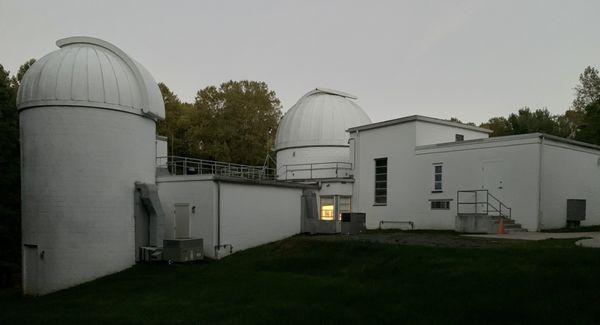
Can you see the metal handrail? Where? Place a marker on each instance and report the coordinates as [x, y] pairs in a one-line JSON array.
[[178, 165], [335, 166], [487, 203]]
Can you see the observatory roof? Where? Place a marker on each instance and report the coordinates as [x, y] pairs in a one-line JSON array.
[[90, 72], [320, 118]]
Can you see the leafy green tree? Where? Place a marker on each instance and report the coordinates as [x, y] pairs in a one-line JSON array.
[[456, 120], [540, 120], [177, 122], [235, 122], [499, 125], [590, 128], [588, 89], [16, 80], [10, 178]]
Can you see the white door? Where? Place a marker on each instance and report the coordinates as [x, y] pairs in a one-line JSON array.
[[494, 173], [30, 269], [182, 220]]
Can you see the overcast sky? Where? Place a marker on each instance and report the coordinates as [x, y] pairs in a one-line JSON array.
[[466, 59]]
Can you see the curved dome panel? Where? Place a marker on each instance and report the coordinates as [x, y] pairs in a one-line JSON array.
[[90, 72], [320, 118]]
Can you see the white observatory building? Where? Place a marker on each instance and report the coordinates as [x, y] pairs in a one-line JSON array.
[[88, 116], [313, 146], [95, 176]]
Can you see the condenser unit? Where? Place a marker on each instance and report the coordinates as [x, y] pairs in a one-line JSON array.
[[182, 250]]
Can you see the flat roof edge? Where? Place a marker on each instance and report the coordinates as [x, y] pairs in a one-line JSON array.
[[225, 179], [421, 118], [510, 138]]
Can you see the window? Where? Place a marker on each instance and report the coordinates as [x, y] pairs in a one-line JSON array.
[[459, 137], [437, 177], [440, 204], [327, 208], [381, 181], [344, 205]]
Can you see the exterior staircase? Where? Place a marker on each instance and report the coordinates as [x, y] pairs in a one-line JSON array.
[[510, 226], [478, 211]]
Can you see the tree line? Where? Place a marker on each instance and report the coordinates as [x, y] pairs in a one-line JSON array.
[[237, 122], [580, 122]]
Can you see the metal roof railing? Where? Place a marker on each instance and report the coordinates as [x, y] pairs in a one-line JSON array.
[[312, 171], [177, 165]]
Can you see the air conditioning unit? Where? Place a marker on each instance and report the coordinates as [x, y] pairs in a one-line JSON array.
[[353, 223], [182, 250], [150, 254]]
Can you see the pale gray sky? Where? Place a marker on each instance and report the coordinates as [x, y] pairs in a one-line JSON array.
[[468, 59]]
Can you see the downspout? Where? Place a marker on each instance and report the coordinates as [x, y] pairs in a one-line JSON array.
[[355, 186], [539, 203], [218, 217]]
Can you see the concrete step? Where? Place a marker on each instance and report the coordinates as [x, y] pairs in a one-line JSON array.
[[512, 226], [515, 230]]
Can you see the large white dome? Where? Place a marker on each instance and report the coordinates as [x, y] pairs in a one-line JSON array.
[[90, 72], [320, 119]]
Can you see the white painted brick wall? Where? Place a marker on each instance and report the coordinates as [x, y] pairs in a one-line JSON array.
[[79, 166]]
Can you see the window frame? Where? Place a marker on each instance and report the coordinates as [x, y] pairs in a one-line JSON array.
[[459, 137], [326, 197], [435, 181], [380, 199], [444, 204]]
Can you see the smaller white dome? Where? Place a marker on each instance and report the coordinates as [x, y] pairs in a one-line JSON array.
[[90, 72], [319, 119]]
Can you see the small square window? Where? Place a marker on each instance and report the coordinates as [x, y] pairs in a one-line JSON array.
[[459, 137]]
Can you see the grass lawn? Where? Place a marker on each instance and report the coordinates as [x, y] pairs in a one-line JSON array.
[[308, 280]]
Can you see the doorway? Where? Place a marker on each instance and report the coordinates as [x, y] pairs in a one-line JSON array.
[[493, 178], [182, 220]]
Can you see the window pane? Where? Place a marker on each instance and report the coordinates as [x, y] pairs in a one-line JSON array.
[[382, 177], [440, 205], [380, 180], [437, 185], [438, 169], [380, 162], [327, 208], [344, 205], [438, 177]]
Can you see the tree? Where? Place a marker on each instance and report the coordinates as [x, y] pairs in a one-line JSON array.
[[540, 120], [590, 128], [16, 80], [177, 122], [10, 178], [235, 122], [499, 125], [455, 120], [588, 89]]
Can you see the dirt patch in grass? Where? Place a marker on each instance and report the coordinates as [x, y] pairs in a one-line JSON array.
[[420, 238]]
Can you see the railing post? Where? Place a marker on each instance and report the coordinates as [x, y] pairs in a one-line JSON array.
[[184, 166]]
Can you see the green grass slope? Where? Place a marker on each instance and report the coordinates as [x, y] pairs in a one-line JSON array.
[[303, 280]]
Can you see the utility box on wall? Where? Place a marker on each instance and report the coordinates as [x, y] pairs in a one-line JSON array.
[[575, 211]]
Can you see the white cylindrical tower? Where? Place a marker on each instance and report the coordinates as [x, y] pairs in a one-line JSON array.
[[88, 116], [312, 141]]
